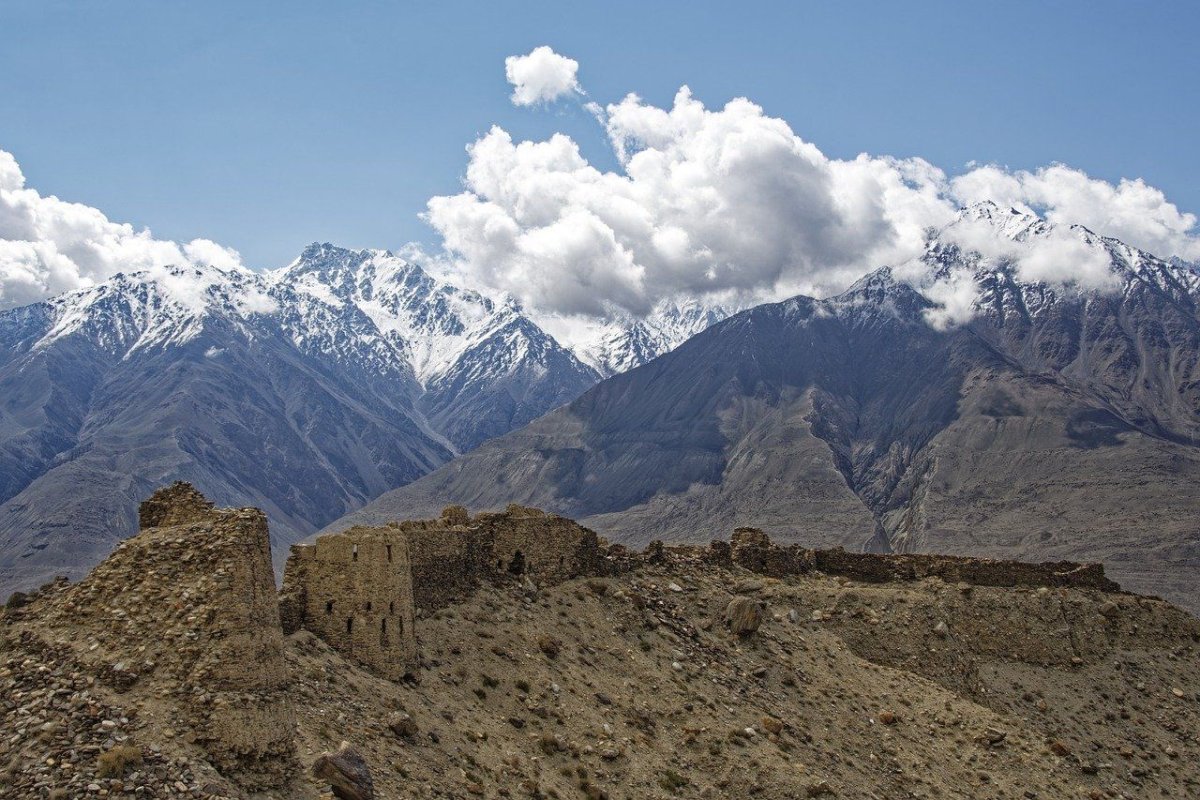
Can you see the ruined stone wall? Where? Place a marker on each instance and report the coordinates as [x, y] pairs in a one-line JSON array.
[[752, 549], [449, 558], [191, 605], [961, 569], [454, 555], [354, 590], [176, 504], [548, 548]]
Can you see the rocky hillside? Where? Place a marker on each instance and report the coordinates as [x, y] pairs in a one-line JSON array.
[[1055, 423], [678, 674]]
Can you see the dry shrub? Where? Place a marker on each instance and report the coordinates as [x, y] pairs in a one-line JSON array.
[[118, 760]]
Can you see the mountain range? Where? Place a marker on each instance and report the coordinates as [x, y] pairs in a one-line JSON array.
[[1059, 421], [307, 391]]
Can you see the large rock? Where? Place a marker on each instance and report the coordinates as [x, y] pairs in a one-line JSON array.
[[403, 725], [743, 616], [346, 772]]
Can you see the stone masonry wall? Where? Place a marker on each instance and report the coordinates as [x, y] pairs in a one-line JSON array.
[[354, 590], [453, 555], [548, 548], [752, 549]]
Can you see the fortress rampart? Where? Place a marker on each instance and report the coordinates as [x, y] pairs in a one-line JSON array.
[[752, 549]]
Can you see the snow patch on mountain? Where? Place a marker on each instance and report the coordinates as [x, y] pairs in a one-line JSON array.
[[625, 342], [991, 258]]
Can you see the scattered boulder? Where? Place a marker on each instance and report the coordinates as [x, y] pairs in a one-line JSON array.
[[549, 646], [819, 789], [346, 773], [403, 725], [456, 515], [743, 616]]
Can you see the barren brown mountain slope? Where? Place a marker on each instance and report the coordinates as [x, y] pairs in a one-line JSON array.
[[1053, 425], [625, 686]]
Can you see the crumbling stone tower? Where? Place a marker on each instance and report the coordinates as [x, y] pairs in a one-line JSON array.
[[187, 608], [354, 590]]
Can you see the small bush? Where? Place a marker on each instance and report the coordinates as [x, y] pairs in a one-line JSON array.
[[118, 760], [550, 646], [672, 781]]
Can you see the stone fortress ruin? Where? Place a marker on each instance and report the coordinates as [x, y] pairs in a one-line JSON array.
[[355, 591], [362, 590], [359, 590], [188, 608]]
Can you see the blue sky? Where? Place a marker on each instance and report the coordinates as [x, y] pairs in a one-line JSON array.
[[265, 126]]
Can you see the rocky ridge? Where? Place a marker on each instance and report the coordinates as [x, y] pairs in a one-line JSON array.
[[742, 668]]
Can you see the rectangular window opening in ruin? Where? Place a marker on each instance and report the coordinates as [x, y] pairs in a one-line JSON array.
[[349, 624], [354, 553], [368, 605], [391, 606], [389, 552], [329, 607]]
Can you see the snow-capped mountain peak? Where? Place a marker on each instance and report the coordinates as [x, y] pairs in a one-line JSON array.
[[156, 307], [626, 342], [1009, 261]]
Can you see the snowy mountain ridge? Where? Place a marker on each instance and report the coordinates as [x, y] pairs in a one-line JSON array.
[[369, 307], [384, 312]]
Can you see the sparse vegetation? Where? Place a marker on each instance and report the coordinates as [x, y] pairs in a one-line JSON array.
[[116, 762], [672, 781]]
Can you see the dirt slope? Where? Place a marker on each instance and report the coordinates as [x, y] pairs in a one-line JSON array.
[[632, 687]]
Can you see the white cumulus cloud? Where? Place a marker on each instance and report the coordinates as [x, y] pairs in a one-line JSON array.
[[49, 246], [725, 202], [541, 76], [732, 204], [1132, 211], [991, 236]]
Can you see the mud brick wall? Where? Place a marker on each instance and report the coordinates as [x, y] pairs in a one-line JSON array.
[[355, 591]]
